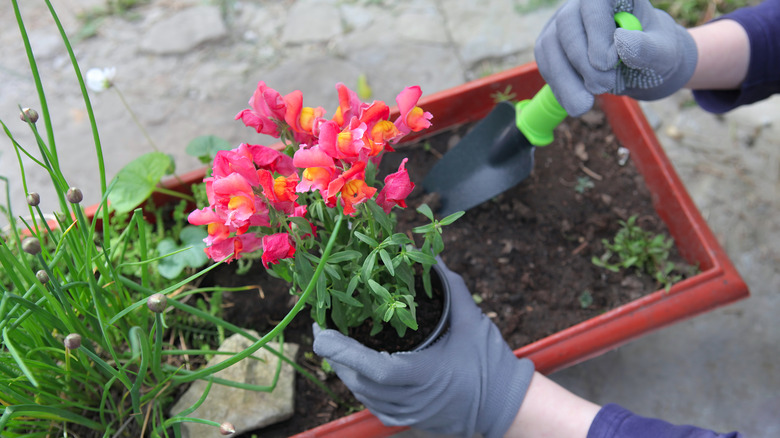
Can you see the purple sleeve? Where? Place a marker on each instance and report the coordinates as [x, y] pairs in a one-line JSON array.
[[762, 24], [613, 421]]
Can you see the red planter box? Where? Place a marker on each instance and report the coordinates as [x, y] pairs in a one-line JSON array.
[[717, 284]]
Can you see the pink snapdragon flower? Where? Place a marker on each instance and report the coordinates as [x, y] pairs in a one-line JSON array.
[[397, 187], [266, 107], [318, 169], [412, 118], [276, 247]]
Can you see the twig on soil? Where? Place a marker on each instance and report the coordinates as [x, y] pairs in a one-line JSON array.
[[578, 249], [591, 173]]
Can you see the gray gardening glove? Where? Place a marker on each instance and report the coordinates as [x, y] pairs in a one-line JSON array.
[[469, 381], [579, 49]]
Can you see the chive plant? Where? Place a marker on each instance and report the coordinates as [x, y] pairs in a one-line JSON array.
[[82, 345]]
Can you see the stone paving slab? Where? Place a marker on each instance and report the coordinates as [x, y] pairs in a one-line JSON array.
[[716, 370]]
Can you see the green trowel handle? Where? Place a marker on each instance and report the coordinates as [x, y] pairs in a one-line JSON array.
[[537, 117]]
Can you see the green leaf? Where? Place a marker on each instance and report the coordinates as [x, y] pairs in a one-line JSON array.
[[380, 290], [368, 266], [193, 236], [425, 211], [206, 147], [367, 239], [344, 256], [346, 299], [424, 229], [452, 218], [387, 261], [136, 181], [388, 314], [379, 215], [406, 317], [399, 239], [421, 257]]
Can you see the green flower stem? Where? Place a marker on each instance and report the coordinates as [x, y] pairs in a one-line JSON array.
[[90, 112], [174, 193], [134, 117], [158, 341], [138, 218], [279, 327], [36, 76]]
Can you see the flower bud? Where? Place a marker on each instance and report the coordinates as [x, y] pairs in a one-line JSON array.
[[157, 303], [33, 199], [74, 195], [42, 276], [227, 428], [29, 115], [31, 245], [72, 341]]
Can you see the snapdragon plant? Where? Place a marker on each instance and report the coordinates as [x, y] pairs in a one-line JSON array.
[[314, 211]]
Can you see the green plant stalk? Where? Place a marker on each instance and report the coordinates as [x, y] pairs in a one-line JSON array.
[[282, 324]]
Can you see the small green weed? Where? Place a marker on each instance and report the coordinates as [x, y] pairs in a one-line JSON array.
[[583, 184], [502, 96], [637, 248]]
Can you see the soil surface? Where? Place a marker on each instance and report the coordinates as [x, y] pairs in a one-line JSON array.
[[526, 254]]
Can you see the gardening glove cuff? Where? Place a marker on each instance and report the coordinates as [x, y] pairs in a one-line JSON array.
[[466, 382], [581, 53]]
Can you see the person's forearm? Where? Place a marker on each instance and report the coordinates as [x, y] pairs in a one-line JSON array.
[[550, 411], [723, 56]]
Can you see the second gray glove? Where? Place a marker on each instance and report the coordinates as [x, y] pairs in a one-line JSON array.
[[581, 52], [468, 381]]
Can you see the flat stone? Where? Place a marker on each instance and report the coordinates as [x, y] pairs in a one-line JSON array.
[[309, 21], [246, 410], [184, 31]]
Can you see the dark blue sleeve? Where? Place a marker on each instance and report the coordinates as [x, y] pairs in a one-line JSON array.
[[613, 421], [762, 24]]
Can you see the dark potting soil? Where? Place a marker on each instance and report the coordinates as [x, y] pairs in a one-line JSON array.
[[525, 254]]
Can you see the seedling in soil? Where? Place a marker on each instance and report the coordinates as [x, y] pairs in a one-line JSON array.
[[637, 248], [583, 184]]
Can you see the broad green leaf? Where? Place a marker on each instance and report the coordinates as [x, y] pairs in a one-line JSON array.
[[206, 147], [193, 236], [171, 266], [137, 180]]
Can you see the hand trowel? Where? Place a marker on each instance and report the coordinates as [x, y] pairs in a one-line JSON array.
[[498, 153]]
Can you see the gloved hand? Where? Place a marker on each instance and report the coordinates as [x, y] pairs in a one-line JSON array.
[[579, 50], [468, 381]]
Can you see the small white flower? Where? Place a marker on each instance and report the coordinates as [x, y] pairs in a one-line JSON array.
[[100, 79]]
